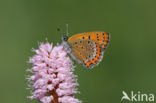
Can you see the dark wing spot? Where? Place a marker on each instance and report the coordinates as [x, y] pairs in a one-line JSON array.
[[89, 37], [97, 37], [108, 37], [83, 37], [75, 42], [91, 64], [103, 37], [80, 41], [88, 42]]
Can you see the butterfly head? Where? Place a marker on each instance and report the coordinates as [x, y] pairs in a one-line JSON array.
[[65, 38]]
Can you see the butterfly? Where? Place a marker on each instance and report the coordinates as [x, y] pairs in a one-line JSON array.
[[87, 48]]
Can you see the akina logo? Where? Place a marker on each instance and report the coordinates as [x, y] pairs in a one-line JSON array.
[[137, 96]]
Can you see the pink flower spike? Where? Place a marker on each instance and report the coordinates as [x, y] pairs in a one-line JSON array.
[[52, 78]]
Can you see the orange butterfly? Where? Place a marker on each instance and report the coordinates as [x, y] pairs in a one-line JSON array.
[[87, 48]]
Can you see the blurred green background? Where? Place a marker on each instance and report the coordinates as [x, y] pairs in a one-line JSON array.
[[129, 63]]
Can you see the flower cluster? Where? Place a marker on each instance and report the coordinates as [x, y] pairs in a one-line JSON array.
[[52, 76]]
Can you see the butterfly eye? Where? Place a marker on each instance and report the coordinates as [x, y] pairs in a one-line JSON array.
[[65, 38]]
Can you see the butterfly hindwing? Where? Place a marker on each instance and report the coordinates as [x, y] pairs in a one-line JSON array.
[[86, 52]]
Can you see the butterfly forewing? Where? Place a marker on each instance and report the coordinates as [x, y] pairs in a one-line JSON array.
[[100, 37]]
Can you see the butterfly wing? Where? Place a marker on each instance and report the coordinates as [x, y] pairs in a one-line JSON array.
[[100, 37], [85, 51]]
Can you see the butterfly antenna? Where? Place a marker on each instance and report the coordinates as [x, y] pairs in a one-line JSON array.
[[67, 30]]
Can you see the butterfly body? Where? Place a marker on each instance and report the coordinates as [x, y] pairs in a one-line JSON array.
[[87, 48]]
